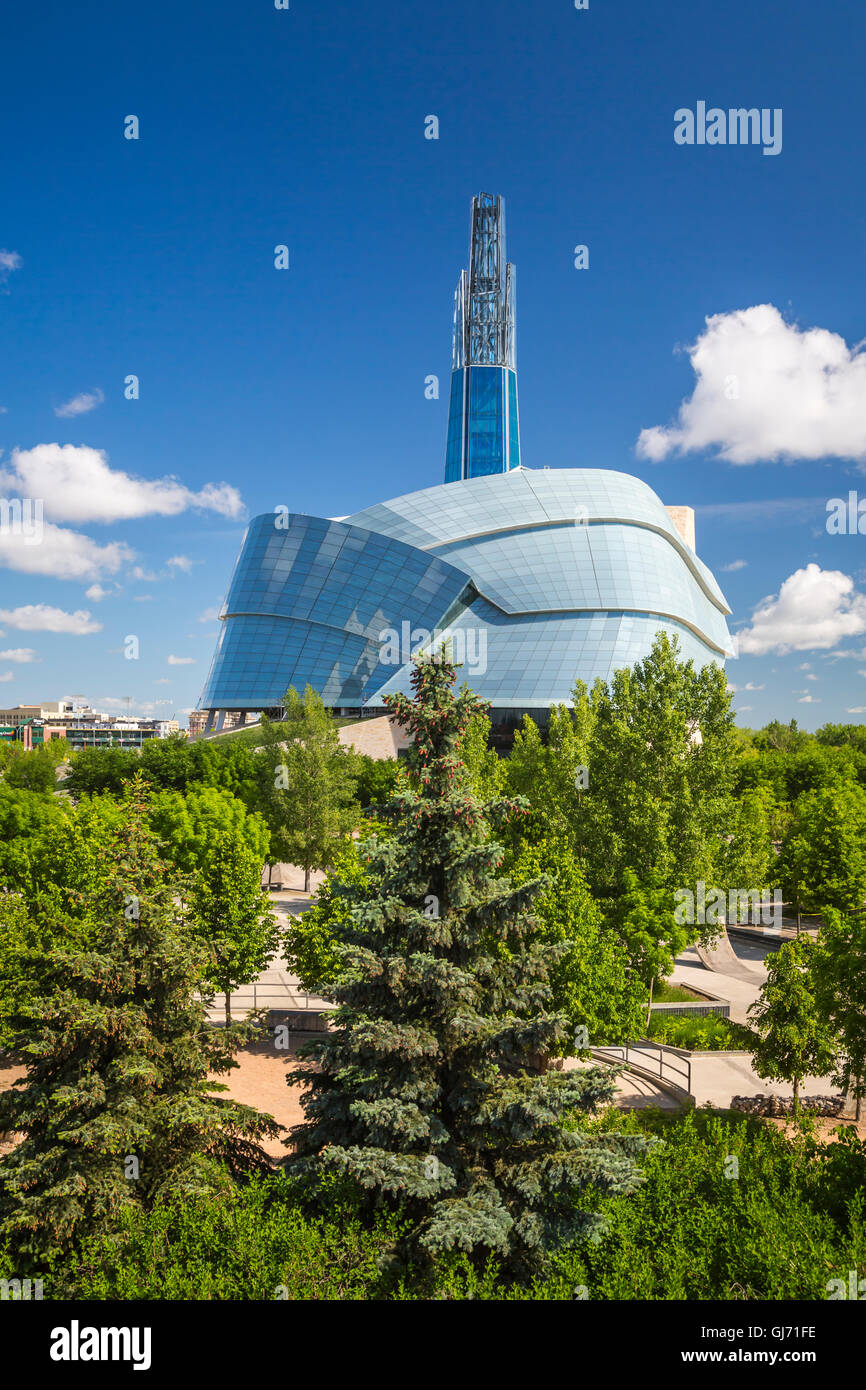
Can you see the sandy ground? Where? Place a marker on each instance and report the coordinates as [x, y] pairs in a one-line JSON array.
[[259, 1080]]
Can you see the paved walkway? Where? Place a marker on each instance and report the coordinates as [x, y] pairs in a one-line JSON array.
[[719, 1076], [276, 987]]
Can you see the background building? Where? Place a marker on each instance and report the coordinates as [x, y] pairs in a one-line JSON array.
[[537, 577]]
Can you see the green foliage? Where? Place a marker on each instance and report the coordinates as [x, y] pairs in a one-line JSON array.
[[118, 1057], [694, 1032], [255, 1242], [427, 1091], [26, 818], [375, 778], [231, 913], [313, 938], [96, 771], [544, 768], [660, 774], [823, 857], [305, 784], [791, 1220], [34, 771], [485, 768], [840, 987], [188, 823], [592, 983], [789, 1037]]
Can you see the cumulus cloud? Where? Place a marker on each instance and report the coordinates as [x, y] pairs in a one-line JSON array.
[[77, 484], [40, 617], [808, 700], [61, 553], [80, 404], [767, 389], [858, 709], [22, 655], [181, 661], [180, 562], [96, 592], [7, 676], [813, 609], [209, 615], [734, 566]]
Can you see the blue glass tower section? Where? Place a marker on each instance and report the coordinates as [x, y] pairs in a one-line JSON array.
[[483, 424]]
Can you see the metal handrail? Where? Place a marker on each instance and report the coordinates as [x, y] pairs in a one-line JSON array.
[[667, 1058]]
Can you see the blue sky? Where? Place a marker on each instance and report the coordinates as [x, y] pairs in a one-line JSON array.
[[305, 388]]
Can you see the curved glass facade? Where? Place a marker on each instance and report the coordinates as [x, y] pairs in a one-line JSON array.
[[542, 576]]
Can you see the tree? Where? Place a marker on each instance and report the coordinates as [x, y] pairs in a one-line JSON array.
[[34, 771], [551, 769], [840, 983], [230, 912], [789, 1035], [427, 1092], [661, 768], [312, 940], [306, 785], [823, 856], [651, 930], [116, 1108], [98, 770], [187, 825], [375, 778], [484, 765], [593, 982]]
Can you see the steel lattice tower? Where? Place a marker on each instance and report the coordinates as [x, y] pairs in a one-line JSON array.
[[483, 422]]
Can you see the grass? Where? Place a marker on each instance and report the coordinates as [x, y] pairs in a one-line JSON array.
[[702, 1033], [675, 994]]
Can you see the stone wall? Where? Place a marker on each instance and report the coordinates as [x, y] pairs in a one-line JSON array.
[[379, 738]]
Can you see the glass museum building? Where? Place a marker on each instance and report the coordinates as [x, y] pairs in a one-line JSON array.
[[536, 577]]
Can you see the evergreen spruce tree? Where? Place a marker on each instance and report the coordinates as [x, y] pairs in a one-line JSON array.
[[428, 1092], [115, 1107]]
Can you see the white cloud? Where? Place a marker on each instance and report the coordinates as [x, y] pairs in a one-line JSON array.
[[734, 565], [9, 261], [7, 676], [209, 615], [858, 709], [79, 405], [61, 553], [811, 678], [743, 709], [76, 483], [767, 389], [120, 702], [181, 661], [96, 592], [21, 655], [180, 562], [814, 608], [750, 685], [808, 700], [39, 617], [162, 680]]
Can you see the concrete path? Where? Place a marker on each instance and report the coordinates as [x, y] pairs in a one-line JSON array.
[[739, 990]]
